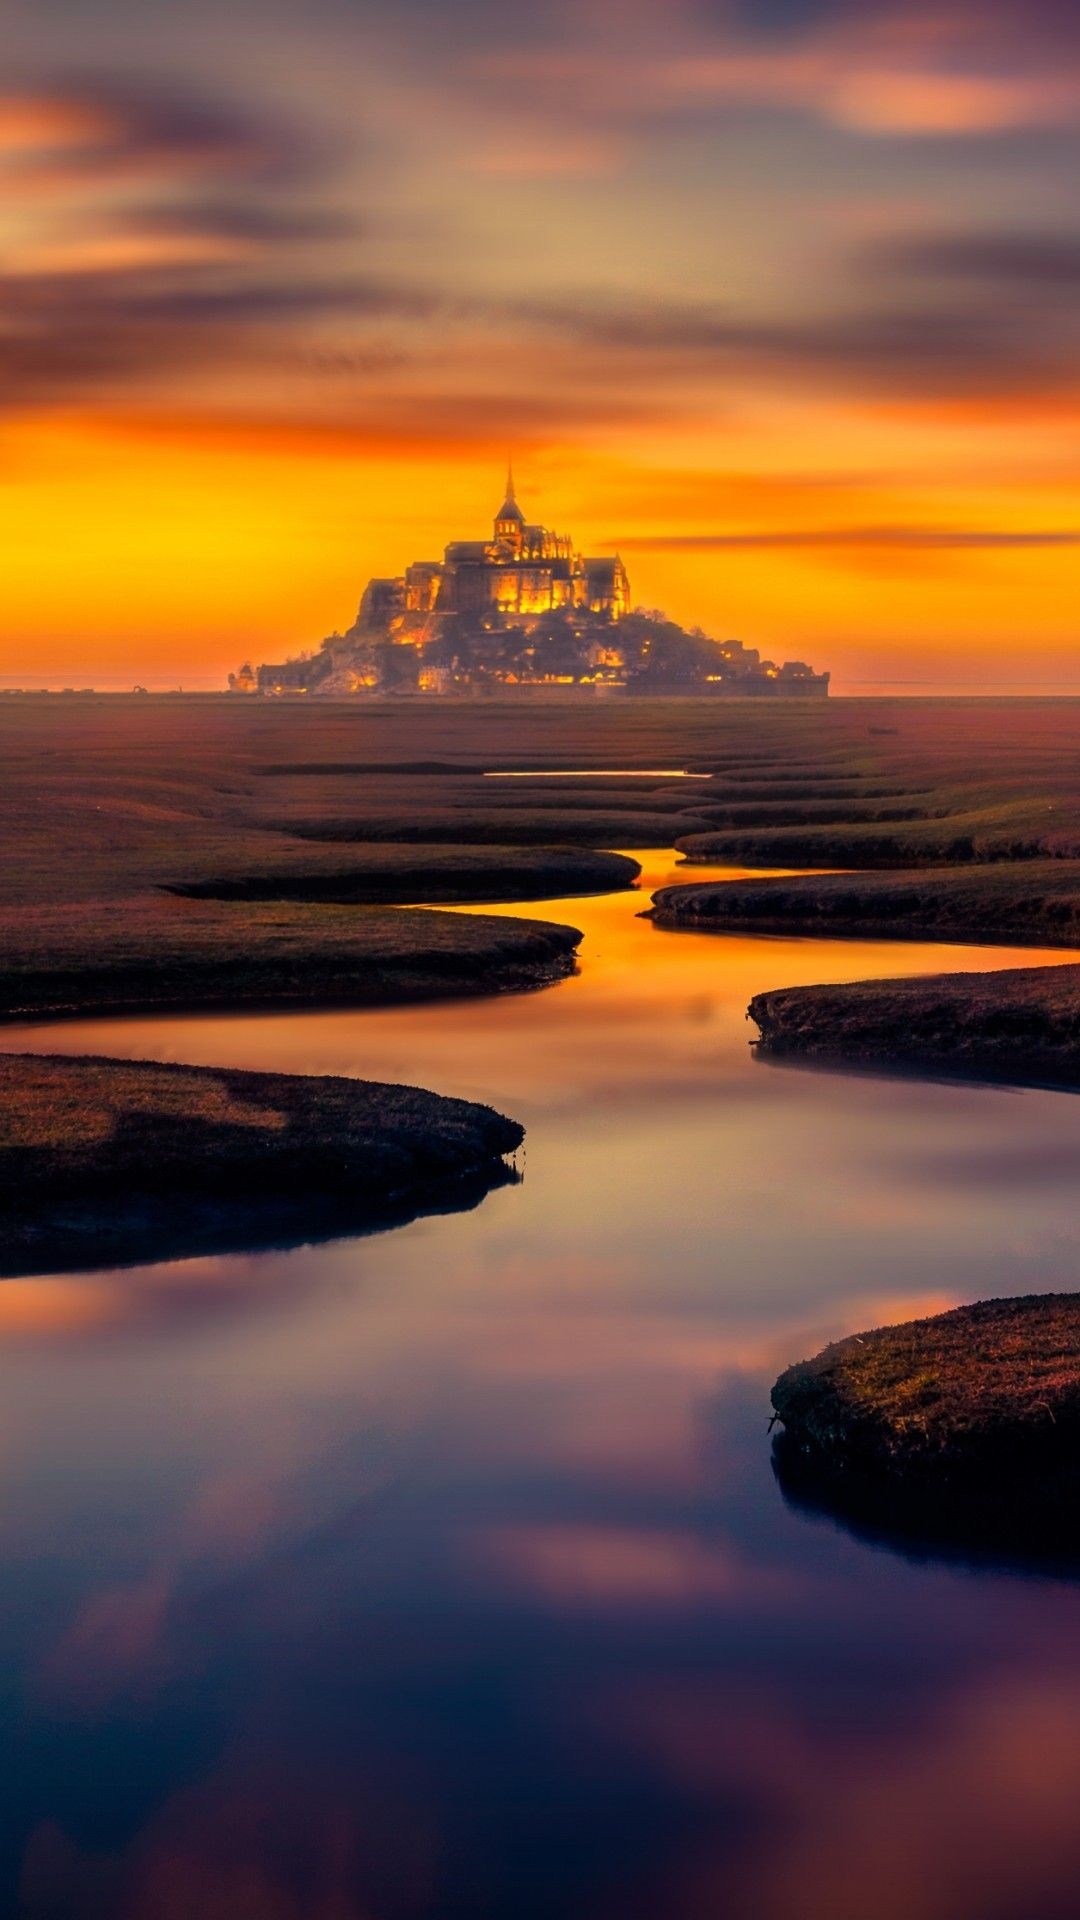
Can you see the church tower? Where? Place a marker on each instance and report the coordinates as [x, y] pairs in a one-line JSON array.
[[510, 521]]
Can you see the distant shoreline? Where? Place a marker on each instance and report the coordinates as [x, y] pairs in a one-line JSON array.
[[889, 693]]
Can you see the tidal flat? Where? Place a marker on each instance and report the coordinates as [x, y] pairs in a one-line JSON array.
[[329, 1557], [143, 955], [389, 875], [481, 1510], [217, 852], [989, 1388]]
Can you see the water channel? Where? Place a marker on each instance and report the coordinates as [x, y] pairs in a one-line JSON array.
[[445, 1573]]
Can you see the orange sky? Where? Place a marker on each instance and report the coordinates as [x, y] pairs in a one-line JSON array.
[[777, 297]]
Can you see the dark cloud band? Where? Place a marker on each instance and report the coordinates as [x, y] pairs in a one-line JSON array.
[[887, 538]]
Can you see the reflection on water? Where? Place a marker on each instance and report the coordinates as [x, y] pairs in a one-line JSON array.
[[1026, 1527], [444, 1573]]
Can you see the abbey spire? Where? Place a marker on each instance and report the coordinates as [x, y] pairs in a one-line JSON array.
[[510, 521]]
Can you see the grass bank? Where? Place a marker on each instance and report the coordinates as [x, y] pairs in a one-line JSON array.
[[1034, 902], [106, 802], [391, 874], [958, 826], [107, 1162], [955, 1437], [1021, 1025], [992, 1387], [133, 956], [496, 824]]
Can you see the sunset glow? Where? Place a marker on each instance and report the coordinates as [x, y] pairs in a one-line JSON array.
[[755, 294]]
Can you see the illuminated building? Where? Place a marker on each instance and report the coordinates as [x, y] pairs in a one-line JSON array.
[[522, 572], [522, 610]]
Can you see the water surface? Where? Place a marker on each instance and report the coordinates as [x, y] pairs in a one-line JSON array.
[[444, 1573]]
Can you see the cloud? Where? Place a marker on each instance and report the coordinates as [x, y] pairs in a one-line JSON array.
[[153, 229], [87, 330], [106, 131], [884, 538], [261, 223], [932, 347], [871, 90], [877, 69], [172, 233], [1020, 261], [992, 26], [922, 102]]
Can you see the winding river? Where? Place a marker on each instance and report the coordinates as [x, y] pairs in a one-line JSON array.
[[444, 1573]]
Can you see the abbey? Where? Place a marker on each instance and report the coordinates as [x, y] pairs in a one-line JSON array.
[[522, 572], [521, 612]]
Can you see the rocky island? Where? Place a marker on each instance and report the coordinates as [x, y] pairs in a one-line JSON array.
[[520, 611]]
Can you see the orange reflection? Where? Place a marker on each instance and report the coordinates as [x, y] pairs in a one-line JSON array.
[[971, 1814], [602, 1566], [67, 1307]]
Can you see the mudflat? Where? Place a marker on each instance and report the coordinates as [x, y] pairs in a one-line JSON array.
[[215, 851], [393, 874], [111, 794]]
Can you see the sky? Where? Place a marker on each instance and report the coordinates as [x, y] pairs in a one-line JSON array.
[[779, 298]]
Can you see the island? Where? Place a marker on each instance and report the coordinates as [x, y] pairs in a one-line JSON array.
[[116, 1162], [958, 1433], [1022, 1024], [520, 611]]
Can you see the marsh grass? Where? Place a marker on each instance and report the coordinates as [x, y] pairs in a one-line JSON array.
[[392, 874], [993, 1387], [142, 954], [1022, 1024], [108, 1160], [107, 803], [952, 825], [1037, 902]]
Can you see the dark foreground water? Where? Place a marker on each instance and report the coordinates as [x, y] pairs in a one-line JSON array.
[[445, 1573]]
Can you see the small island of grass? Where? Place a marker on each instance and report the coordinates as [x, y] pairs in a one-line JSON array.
[[110, 1162], [387, 873], [993, 1387], [955, 1437], [1036, 902], [155, 953], [1019, 1025]]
